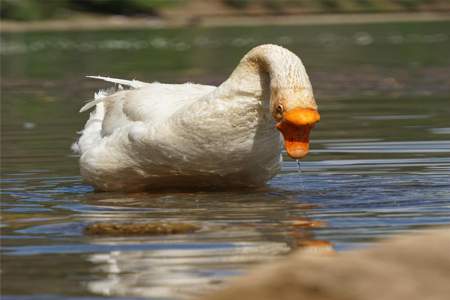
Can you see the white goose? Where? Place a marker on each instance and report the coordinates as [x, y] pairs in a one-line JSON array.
[[156, 135]]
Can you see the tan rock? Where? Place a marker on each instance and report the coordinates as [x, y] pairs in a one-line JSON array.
[[413, 266]]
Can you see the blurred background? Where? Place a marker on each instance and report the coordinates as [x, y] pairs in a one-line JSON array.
[[379, 161], [26, 10]]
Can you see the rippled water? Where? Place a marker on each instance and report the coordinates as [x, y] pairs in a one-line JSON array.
[[378, 164]]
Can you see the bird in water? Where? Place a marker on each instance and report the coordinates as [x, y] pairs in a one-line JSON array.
[[156, 136]]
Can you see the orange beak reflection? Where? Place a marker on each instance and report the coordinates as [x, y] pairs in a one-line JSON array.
[[295, 127]]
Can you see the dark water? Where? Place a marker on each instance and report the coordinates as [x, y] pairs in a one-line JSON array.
[[380, 159]]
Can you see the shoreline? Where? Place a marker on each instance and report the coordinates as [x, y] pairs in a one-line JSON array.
[[90, 23]]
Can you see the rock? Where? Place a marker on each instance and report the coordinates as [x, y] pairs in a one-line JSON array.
[[119, 229], [415, 266]]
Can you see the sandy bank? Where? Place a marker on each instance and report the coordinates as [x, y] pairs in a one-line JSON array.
[[413, 266], [121, 22]]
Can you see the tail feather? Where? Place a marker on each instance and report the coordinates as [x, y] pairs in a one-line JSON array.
[[99, 97], [131, 83], [102, 94], [91, 104]]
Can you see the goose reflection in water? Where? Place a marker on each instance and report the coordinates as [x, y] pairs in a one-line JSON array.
[[236, 234]]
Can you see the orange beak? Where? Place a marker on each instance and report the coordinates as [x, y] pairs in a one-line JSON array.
[[295, 127]]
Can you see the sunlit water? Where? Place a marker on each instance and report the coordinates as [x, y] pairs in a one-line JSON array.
[[378, 165]]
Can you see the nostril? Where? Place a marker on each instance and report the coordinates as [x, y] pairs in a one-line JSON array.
[[279, 109]]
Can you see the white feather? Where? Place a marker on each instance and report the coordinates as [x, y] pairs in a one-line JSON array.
[[131, 83], [135, 84]]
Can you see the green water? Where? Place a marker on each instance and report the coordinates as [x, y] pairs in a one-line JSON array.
[[379, 164]]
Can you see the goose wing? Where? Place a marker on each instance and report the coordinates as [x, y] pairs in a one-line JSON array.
[[144, 102]]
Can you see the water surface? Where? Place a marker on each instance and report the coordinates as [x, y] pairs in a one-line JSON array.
[[379, 164]]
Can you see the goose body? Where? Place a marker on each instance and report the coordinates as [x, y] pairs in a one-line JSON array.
[[155, 135]]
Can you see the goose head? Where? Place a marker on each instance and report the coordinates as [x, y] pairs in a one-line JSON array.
[[295, 113], [279, 74]]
